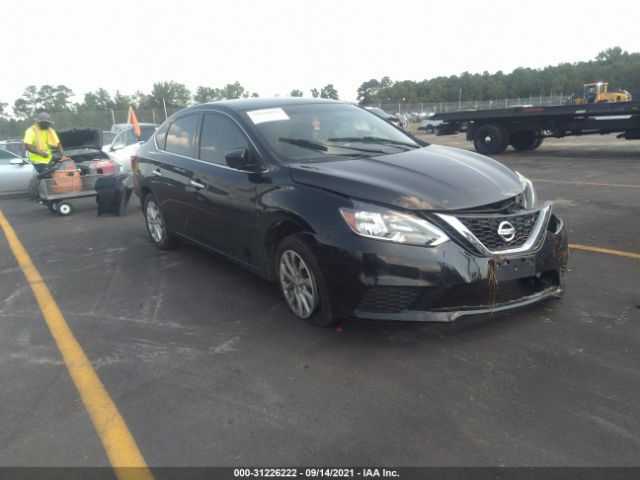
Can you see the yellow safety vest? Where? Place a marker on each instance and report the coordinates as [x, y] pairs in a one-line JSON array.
[[42, 140]]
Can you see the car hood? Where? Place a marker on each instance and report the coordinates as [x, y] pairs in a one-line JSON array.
[[429, 178], [81, 137]]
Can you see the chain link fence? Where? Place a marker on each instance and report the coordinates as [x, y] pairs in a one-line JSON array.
[[466, 105]]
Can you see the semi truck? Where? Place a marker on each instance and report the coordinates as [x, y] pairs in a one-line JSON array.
[[525, 127]]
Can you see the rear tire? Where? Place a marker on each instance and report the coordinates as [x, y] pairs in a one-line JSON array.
[[156, 225], [526, 140], [539, 142], [301, 282], [491, 139]]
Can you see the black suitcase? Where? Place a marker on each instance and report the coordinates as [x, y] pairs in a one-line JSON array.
[[113, 193]]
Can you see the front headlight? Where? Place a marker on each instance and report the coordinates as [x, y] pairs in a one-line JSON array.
[[529, 192], [384, 224]]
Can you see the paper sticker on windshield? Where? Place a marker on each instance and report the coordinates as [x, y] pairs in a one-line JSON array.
[[267, 115]]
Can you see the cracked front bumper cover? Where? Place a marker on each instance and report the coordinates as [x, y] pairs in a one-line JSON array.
[[451, 315]]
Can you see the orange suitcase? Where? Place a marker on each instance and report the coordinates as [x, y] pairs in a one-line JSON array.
[[66, 179]]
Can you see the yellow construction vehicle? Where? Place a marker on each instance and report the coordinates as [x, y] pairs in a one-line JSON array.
[[598, 93]]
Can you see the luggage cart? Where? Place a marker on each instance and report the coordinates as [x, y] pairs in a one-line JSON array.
[[65, 184]]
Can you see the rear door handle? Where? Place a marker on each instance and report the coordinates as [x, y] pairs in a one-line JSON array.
[[196, 184], [157, 172]]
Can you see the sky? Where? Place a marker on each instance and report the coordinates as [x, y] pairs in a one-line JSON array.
[[274, 46]]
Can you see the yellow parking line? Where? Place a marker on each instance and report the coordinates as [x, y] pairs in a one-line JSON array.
[[607, 251], [118, 442], [594, 184]]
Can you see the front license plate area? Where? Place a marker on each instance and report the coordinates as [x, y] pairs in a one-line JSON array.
[[513, 268]]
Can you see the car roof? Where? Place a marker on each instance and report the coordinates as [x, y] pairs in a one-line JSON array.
[[245, 104]]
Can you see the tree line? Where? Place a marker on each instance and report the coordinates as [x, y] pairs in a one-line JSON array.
[[620, 68], [172, 95]]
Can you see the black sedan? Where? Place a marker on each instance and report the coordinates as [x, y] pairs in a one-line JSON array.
[[351, 216]]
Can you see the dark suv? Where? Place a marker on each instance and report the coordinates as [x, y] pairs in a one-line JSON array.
[[350, 215]]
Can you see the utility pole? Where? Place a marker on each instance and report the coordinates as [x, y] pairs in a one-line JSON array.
[[459, 99], [165, 109]]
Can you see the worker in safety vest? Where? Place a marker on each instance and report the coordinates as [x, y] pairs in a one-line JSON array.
[[39, 140]]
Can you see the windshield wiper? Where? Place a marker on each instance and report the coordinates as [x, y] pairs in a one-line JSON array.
[[303, 142], [379, 140], [310, 144]]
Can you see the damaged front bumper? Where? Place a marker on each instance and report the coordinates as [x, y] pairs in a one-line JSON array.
[[375, 280]]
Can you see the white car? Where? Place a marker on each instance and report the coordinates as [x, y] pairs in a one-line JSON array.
[[126, 144]]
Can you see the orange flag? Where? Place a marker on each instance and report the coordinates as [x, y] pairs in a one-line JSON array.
[[134, 121]]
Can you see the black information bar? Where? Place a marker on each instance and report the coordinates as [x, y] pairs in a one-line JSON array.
[[398, 473]]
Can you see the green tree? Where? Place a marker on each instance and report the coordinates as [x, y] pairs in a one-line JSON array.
[[141, 101], [55, 99], [100, 100], [296, 93], [233, 90], [47, 97], [207, 94], [386, 82], [611, 55], [315, 93], [172, 93], [367, 91], [122, 102], [26, 105], [329, 92]]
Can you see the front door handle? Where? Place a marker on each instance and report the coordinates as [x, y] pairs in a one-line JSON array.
[[198, 185], [157, 172]]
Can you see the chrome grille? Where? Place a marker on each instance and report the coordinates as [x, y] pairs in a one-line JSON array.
[[485, 229], [478, 233]]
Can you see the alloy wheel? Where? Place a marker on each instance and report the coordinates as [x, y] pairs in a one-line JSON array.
[[297, 284], [154, 221]]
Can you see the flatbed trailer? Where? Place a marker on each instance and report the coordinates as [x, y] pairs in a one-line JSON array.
[[525, 127]]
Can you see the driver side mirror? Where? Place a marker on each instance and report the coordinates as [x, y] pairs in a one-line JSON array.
[[17, 161], [239, 159]]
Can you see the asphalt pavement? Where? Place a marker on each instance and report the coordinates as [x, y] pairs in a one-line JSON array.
[[208, 367]]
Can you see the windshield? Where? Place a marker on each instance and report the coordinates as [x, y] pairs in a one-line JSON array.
[[6, 154], [107, 137], [324, 131], [378, 112]]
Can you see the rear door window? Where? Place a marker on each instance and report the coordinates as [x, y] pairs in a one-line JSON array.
[[181, 136]]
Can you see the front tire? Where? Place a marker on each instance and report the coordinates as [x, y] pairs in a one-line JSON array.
[[156, 225], [301, 282], [63, 209]]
